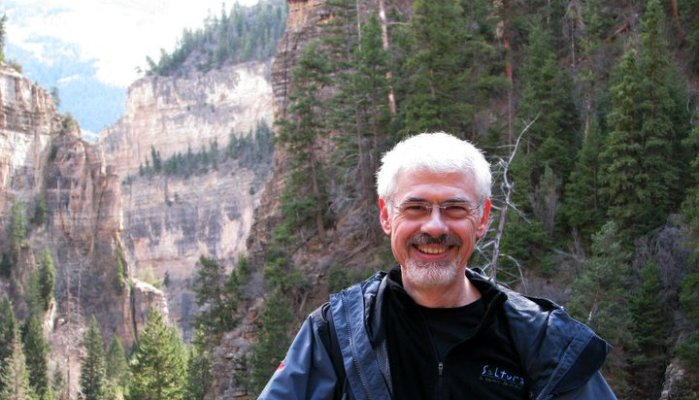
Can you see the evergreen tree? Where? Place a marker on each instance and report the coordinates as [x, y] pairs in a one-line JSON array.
[[665, 122], [272, 341], [583, 207], [600, 299], [218, 296], [361, 110], [47, 279], [8, 330], [15, 376], [6, 264], [624, 179], [690, 206], [36, 350], [650, 328], [59, 386], [158, 365], [17, 227], [198, 368], [552, 141], [304, 201], [92, 370], [447, 70], [116, 365]]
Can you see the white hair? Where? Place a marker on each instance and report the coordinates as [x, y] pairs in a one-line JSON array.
[[437, 152]]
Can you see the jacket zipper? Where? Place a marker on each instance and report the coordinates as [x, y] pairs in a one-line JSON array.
[[440, 379]]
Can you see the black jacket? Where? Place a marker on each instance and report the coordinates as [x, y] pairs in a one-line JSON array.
[[560, 356]]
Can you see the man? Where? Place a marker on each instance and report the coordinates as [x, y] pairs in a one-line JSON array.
[[432, 328]]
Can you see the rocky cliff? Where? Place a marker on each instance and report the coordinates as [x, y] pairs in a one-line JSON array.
[[71, 205], [170, 220]]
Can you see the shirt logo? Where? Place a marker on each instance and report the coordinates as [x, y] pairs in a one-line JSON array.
[[501, 376]]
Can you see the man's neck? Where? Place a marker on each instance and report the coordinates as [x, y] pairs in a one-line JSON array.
[[458, 294]]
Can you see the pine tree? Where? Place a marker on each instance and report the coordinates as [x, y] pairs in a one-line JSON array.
[[17, 227], [47, 279], [304, 201], [92, 368], [553, 139], [8, 330], [36, 350], [624, 179], [583, 207], [447, 70], [158, 365], [198, 368], [218, 296], [600, 299], [3, 30], [59, 386], [361, 110], [273, 339], [650, 328], [116, 365], [15, 376], [665, 122]]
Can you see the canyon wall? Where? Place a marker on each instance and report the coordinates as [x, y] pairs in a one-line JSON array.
[[170, 220]]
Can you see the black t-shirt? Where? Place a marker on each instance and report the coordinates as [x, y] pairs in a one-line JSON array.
[[459, 353]]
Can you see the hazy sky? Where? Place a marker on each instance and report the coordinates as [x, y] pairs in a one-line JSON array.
[[113, 35]]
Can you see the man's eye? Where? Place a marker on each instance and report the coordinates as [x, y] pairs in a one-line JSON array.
[[415, 208], [457, 210]]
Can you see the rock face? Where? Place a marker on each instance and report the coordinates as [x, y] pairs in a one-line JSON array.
[[172, 114], [43, 161], [169, 221]]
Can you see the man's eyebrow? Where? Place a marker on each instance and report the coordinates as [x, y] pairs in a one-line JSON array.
[[448, 201]]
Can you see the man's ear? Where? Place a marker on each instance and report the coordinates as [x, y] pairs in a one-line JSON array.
[[384, 216], [483, 222]]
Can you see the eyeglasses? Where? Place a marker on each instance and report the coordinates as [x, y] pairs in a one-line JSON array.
[[454, 210]]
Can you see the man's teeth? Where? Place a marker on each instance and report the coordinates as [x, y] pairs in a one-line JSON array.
[[432, 250]]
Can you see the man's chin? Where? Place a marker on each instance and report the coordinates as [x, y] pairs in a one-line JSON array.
[[430, 275]]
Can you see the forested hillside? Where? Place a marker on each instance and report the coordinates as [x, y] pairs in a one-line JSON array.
[[235, 36], [586, 110]]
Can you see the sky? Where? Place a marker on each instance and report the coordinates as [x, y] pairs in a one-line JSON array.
[[92, 50]]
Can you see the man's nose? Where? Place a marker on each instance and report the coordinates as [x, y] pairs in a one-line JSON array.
[[435, 225]]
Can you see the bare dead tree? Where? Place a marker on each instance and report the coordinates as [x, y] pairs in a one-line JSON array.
[[503, 206]]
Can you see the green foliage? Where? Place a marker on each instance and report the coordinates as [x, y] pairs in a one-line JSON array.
[[6, 264], [600, 298], [689, 301], [59, 385], [159, 362], [47, 279], [199, 375], [218, 296], [244, 34], [8, 330], [14, 380], [40, 211], [340, 277], [583, 208], [36, 351], [451, 71], [93, 381], [116, 365], [272, 341], [120, 278], [651, 326], [17, 226]]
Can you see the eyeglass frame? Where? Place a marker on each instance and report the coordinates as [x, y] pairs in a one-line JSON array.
[[442, 208]]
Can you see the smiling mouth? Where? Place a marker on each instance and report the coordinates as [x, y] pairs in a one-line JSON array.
[[432, 249]]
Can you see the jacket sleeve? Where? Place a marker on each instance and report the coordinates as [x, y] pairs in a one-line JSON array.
[[306, 372], [596, 388]]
